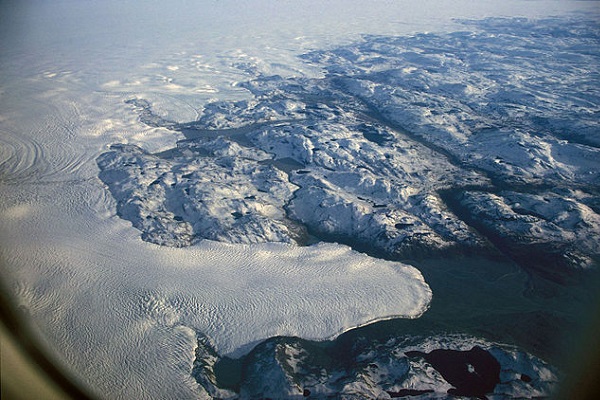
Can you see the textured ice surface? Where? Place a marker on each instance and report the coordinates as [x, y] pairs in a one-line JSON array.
[[109, 305]]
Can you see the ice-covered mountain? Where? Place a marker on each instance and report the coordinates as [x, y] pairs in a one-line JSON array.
[[409, 367], [403, 367], [200, 130], [408, 145]]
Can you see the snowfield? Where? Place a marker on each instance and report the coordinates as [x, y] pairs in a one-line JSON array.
[[174, 190]]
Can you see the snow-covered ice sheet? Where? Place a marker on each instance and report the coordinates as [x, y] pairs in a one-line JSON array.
[[121, 312]]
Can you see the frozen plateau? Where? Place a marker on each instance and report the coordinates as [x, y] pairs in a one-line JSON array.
[[392, 215]]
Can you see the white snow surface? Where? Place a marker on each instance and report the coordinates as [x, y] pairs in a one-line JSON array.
[[124, 313]]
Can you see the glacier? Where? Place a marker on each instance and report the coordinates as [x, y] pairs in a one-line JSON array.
[[175, 191]]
